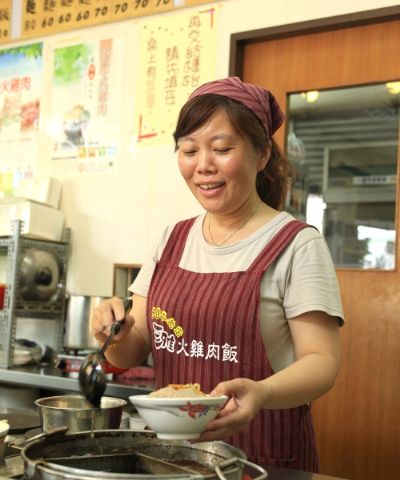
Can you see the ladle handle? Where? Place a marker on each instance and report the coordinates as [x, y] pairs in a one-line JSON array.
[[116, 326]]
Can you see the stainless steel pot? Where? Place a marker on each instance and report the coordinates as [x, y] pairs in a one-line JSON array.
[[77, 414], [78, 321], [127, 454]]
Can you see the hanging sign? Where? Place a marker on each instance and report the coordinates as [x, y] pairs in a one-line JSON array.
[[5, 21], [44, 17], [172, 63], [85, 105], [20, 91]]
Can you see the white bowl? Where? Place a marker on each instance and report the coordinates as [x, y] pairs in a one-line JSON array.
[[177, 418], [4, 428]]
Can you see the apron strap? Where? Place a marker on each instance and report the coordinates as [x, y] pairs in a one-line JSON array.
[[173, 250], [277, 245]]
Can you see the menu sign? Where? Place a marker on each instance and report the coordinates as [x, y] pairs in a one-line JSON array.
[[5, 20], [44, 17]]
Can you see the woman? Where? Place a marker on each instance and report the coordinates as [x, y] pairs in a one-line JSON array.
[[242, 299]]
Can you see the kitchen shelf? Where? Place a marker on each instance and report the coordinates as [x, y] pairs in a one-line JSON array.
[[52, 379], [38, 311]]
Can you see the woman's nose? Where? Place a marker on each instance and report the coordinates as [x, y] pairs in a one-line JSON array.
[[205, 161]]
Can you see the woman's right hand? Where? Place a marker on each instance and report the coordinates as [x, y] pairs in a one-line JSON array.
[[105, 314]]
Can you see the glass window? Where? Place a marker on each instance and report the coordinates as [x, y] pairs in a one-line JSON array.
[[343, 145]]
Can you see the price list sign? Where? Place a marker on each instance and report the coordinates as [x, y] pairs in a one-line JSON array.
[[5, 20], [45, 17]]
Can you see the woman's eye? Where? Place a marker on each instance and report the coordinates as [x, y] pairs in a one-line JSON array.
[[189, 153], [223, 150]]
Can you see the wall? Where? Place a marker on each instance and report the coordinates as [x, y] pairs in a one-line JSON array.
[[116, 217]]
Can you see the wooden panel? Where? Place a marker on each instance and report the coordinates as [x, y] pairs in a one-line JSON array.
[[358, 422]]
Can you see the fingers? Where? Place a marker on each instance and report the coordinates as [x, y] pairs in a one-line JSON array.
[[105, 314], [237, 387], [241, 408], [223, 427]]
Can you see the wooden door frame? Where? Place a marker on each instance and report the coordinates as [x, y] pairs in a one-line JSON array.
[[241, 39]]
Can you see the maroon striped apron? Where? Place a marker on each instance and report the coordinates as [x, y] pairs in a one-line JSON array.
[[205, 328]]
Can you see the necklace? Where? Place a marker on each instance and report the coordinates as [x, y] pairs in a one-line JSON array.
[[255, 209]]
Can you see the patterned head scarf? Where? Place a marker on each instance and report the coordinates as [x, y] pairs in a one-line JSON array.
[[260, 101]]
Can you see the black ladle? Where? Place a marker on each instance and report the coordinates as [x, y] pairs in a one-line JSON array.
[[92, 378]]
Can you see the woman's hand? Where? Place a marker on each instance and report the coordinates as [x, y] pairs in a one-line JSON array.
[[105, 314], [246, 400], [132, 344]]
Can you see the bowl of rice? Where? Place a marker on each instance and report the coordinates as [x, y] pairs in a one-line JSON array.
[[178, 412]]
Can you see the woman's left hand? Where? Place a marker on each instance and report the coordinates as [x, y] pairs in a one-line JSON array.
[[246, 399]]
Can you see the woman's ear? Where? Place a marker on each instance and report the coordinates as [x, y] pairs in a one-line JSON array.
[[264, 158]]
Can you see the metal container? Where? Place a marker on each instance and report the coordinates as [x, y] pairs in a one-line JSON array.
[[78, 321], [77, 414], [126, 454]]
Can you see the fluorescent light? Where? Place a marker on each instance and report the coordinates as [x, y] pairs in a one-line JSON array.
[[311, 96], [393, 87]]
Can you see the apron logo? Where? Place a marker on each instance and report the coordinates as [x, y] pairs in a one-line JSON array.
[[168, 341], [158, 314]]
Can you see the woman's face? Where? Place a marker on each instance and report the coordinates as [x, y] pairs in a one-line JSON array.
[[220, 166]]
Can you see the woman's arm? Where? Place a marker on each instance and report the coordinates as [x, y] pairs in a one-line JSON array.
[[316, 346], [132, 344], [316, 343]]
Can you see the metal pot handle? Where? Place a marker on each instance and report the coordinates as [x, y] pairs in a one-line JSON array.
[[56, 431], [236, 460]]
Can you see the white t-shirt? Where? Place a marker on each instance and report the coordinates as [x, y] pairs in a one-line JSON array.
[[302, 279]]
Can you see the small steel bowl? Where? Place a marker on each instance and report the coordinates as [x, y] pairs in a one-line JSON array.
[[75, 412]]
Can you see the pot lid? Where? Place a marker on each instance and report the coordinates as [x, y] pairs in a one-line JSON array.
[[40, 272]]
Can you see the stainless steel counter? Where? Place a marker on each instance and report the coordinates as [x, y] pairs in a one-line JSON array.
[[51, 378]]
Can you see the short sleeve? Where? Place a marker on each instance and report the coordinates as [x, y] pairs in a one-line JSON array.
[[311, 282], [141, 284]]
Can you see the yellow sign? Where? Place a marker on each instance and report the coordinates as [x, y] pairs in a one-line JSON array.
[[176, 55], [191, 3], [147, 7], [5, 21], [45, 17]]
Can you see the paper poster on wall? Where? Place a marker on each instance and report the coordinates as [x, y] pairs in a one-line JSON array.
[[20, 79], [86, 104], [177, 54]]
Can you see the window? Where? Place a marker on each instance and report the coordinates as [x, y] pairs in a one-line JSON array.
[[343, 144]]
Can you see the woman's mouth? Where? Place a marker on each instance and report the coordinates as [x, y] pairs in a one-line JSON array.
[[210, 186]]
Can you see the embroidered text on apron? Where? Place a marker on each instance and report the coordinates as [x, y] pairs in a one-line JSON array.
[[206, 329]]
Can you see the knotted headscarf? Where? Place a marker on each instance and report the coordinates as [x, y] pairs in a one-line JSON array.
[[260, 101]]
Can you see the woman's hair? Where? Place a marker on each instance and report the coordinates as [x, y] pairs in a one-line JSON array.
[[272, 181]]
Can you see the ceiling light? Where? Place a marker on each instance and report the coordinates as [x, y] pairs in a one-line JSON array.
[[311, 96], [393, 87]]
